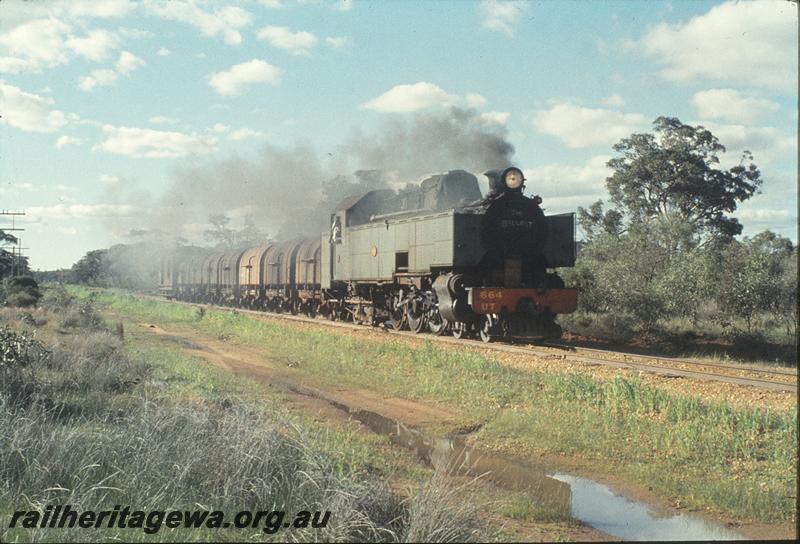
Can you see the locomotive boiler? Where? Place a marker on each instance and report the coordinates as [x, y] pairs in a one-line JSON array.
[[436, 257]]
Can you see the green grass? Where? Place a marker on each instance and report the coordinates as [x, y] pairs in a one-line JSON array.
[[139, 423], [739, 461]]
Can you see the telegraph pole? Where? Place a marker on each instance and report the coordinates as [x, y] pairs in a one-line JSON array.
[[16, 251]]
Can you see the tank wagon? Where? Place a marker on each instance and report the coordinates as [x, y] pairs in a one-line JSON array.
[[438, 257]]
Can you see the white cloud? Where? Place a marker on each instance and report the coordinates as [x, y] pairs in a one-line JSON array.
[[33, 45], [29, 112], [613, 101], [71, 231], [419, 96], [474, 100], [731, 105], [767, 144], [163, 52], [135, 33], [128, 62], [495, 117], [344, 5], [30, 187], [109, 179], [225, 22], [219, 128], [750, 43], [12, 65], [338, 42], [46, 34], [83, 210], [163, 120], [564, 180], [762, 214], [578, 126], [271, 4], [501, 16], [95, 46], [103, 9], [407, 98], [296, 43], [246, 134], [64, 141], [142, 142], [97, 78], [232, 82]]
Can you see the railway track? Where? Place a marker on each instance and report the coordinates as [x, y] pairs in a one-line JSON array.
[[784, 380]]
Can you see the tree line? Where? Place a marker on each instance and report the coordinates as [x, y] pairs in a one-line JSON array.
[[666, 247]]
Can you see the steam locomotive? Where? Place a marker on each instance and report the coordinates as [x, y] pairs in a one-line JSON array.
[[436, 257]]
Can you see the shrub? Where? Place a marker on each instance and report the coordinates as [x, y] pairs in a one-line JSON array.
[[618, 328], [82, 315], [57, 299], [20, 355], [22, 292], [96, 361]]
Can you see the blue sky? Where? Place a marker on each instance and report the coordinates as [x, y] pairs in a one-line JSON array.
[[106, 103]]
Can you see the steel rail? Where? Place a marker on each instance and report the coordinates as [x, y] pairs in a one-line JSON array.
[[668, 359], [667, 371]]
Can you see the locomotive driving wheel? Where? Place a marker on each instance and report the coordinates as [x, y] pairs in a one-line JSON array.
[[488, 328], [436, 323], [312, 308], [397, 314], [332, 312], [415, 314], [460, 330]]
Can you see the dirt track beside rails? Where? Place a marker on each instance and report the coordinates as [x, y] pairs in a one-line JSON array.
[[327, 403], [320, 400]]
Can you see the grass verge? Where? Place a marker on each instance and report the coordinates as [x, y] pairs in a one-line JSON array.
[[91, 421], [737, 461]]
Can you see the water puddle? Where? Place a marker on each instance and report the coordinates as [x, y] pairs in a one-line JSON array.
[[598, 506], [586, 500], [457, 458]]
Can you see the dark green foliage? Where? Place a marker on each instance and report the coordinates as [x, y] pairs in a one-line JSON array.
[[92, 268], [741, 286], [22, 292], [675, 172], [758, 276], [665, 250], [20, 354], [11, 263]]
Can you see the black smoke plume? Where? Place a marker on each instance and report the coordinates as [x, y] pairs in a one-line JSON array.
[[290, 192]]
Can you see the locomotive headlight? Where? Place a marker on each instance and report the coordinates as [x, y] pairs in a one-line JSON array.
[[513, 178]]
